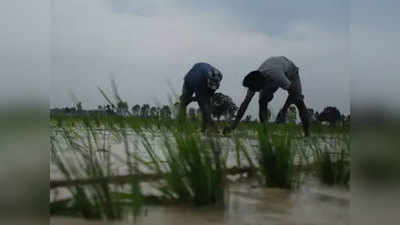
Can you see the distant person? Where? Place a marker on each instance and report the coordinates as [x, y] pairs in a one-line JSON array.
[[311, 116], [222, 105], [202, 80], [292, 115], [275, 72]]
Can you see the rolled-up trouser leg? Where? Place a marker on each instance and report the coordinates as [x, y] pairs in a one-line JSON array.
[[304, 116], [295, 93], [298, 98]]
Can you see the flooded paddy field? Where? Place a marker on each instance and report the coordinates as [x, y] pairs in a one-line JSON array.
[[122, 174], [248, 204]]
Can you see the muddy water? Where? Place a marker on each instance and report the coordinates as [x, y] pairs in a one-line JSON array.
[[249, 203]]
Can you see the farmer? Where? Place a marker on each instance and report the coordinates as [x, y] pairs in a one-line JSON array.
[[275, 72], [202, 80]]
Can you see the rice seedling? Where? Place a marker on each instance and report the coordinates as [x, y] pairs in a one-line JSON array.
[[75, 152], [243, 154], [332, 159], [276, 158], [192, 167]]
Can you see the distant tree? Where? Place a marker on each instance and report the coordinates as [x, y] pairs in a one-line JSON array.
[[175, 109], [165, 112], [316, 115], [109, 109], [154, 112], [99, 107], [330, 114], [122, 108], [145, 110], [70, 110], [347, 120], [135, 110], [311, 115], [222, 105], [342, 118], [79, 106]]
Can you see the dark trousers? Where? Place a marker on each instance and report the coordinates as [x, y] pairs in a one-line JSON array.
[[203, 99], [295, 97]]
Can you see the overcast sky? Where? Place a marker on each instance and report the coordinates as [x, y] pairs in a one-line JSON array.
[[374, 51], [148, 46]]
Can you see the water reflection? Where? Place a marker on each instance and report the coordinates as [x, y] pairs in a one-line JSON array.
[[250, 204]]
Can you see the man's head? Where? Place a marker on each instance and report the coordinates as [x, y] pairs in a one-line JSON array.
[[213, 79], [254, 81]]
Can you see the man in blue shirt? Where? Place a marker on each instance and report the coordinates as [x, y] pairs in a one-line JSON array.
[[275, 72], [202, 80]]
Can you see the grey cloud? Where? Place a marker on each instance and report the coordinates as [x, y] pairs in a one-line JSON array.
[[92, 41], [273, 17], [142, 8], [374, 52], [25, 59]]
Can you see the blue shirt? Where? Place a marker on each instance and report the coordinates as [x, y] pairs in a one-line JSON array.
[[196, 79]]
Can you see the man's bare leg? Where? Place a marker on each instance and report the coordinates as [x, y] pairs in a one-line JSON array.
[[304, 116], [281, 118]]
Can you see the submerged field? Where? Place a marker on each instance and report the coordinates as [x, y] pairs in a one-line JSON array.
[[162, 171]]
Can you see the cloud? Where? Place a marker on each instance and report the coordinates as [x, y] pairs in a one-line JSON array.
[[374, 48], [24, 52], [143, 51]]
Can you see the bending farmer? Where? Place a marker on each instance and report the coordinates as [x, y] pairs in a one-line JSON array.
[[275, 72], [202, 80]]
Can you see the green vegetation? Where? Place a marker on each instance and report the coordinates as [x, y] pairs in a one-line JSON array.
[[187, 166], [195, 170], [82, 153], [276, 157], [332, 160]]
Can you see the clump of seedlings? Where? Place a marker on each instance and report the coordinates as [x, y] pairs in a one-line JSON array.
[[276, 159]]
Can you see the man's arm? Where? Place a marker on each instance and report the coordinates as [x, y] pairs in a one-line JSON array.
[[242, 108]]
